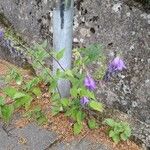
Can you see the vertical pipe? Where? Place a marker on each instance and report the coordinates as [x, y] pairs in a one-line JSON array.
[[62, 39]]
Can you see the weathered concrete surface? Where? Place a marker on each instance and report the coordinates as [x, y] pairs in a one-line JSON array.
[[82, 145], [8, 53], [118, 25], [30, 17], [30, 137]]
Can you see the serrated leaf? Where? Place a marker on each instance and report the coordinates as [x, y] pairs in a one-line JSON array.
[[69, 73], [42, 120], [23, 101], [77, 128], [124, 137], [96, 106], [128, 131], [7, 112], [9, 91], [74, 112], [37, 91], [116, 138], [110, 122], [74, 92], [18, 95], [55, 110], [60, 54], [90, 95], [118, 128], [32, 83], [92, 124], [2, 101], [80, 117], [65, 102], [111, 133]]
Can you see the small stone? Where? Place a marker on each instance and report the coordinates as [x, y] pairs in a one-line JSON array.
[[148, 16], [81, 40], [133, 32], [75, 40], [128, 14], [124, 102], [147, 81], [144, 16], [85, 32], [132, 47], [123, 76], [117, 7], [134, 104]]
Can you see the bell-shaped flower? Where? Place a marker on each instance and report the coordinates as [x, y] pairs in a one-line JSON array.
[[84, 101], [89, 83], [117, 64]]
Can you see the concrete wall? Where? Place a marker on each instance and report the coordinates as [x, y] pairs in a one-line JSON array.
[[120, 26]]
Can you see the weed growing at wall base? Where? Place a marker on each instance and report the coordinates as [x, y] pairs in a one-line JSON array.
[[82, 98]]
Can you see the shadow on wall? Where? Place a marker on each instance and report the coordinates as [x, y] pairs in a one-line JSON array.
[[144, 5]]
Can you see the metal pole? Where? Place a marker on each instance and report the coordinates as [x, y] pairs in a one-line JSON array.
[[62, 39]]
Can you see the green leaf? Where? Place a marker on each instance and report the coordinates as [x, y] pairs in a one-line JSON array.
[[60, 54], [55, 110], [27, 101], [23, 101], [18, 95], [111, 133], [80, 116], [65, 102], [74, 112], [42, 120], [116, 138], [77, 128], [90, 95], [124, 137], [128, 131], [0, 112], [37, 91], [18, 79], [9, 91], [2, 101], [34, 82], [69, 73], [7, 112], [14, 75], [74, 92], [118, 128], [96, 106], [110, 122], [92, 124]]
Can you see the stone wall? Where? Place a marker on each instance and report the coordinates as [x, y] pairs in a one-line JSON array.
[[119, 25]]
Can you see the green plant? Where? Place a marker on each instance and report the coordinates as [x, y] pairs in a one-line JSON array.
[[118, 130], [82, 98], [37, 114]]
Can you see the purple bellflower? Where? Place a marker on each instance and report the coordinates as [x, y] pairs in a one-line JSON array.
[[89, 83], [117, 64], [84, 101]]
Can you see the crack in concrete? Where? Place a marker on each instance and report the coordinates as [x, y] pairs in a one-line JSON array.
[[53, 143]]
